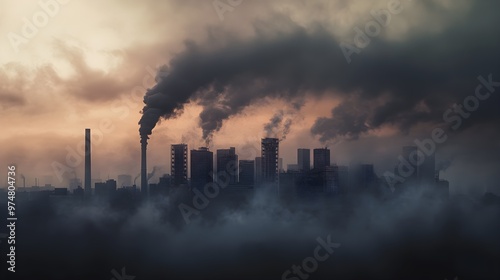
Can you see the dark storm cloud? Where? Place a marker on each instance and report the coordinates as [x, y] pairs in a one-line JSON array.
[[428, 70], [349, 119]]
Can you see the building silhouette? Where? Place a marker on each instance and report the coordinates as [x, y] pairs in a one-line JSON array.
[[304, 159], [247, 172], [362, 177], [105, 188], [321, 158], [162, 187], [201, 167], [227, 162], [423, 165], [258, 170], [60, 191], [74, 183], [178, 167], [88, 169], [330, 176], [78, 192], [409, 153], [427, 171], [270, 158], [343, 172]]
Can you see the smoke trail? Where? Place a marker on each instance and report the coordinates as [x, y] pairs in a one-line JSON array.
[[225, 75], [286, 129], [136, 177], [222, 78], [150, 175], [24, 180], [272, 126]]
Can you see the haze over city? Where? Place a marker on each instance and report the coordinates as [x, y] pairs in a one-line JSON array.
[[345, 122], [75, 74]]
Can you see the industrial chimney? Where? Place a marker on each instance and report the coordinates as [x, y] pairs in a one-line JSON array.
[[88, 188], [144, 169]]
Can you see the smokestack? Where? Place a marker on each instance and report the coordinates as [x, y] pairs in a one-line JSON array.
[[88, 187], [144, 169]]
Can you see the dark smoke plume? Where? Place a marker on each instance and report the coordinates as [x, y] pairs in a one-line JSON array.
[[273, 124], [278, 125], [286, 129], [393, 80], [150, 175]]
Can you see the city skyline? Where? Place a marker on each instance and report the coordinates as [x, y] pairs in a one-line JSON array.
[[335, 103], [416, 169], [250, 139]]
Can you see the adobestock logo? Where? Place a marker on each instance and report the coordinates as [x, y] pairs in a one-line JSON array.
[[222, 7], [453, 117], [310, 264], [39, 19], [381, 19], [120, 110]]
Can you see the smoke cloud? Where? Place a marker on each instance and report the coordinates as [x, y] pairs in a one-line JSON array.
[[278, 126], [273, 124], [396, 83]]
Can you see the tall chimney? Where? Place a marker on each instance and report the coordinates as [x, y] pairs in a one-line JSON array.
[[144, 169], [88, 187]]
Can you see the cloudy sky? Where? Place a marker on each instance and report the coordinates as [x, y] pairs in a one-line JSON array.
[[344, 74]]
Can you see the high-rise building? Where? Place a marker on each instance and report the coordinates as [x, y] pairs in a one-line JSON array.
[[423, 166], [330, 175], [270, 158], [163, 186], [227, 162], [280, 165], [321, 158], [343, 179], [410, 153], [178, 167], [247, 172], [427, 171], [362, 177], [258, 170], [304, 159], [202, 167]]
